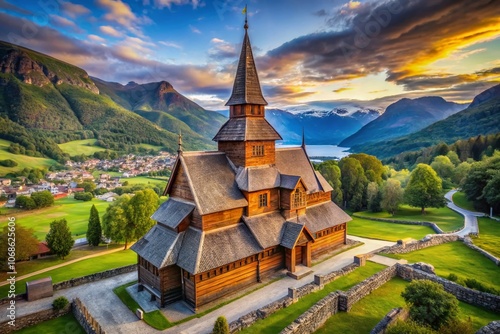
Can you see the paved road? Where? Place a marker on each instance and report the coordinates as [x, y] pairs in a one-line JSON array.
[[470, 217]]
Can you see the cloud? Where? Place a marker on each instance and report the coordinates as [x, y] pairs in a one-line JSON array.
[[121, 13], [63, 22], [109, 30], [320, 13], [460, 54], [168, 3], [74, 10], [96, 38], [170, 44], [222, 50], [194, 29], [342, 89], [13, 8]]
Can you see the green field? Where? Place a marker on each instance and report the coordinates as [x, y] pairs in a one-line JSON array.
[[79, 269], [149, 147], [456, 258], [145, 180], [282, 318], [23, 161], [75, 212], [65, 324], [445, 218], [79, 147], [370, 310], [386, 231], [461, 200], [489, 236]]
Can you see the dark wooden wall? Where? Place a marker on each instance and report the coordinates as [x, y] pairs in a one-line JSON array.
[[180, 187], [329, 241], [253, 201]]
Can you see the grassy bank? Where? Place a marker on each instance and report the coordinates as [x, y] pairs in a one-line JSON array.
[[385, 231]]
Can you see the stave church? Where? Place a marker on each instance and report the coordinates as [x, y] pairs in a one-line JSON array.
[[239, 214]]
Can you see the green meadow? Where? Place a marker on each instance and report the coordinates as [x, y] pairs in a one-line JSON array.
[[79, 147], [373, 229], [23, 161]]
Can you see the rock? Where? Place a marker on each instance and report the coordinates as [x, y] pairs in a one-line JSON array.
[[425, 267]]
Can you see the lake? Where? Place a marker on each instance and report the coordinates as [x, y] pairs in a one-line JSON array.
[[330, 151]]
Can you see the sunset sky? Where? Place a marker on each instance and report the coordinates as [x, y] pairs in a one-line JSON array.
[[305, 51]]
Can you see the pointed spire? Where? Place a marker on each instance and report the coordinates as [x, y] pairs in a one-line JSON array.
[[246, 88], [179, 142], [303, 139]]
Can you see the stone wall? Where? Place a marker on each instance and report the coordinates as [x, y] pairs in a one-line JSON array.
[[356, 293], [33, 319], [86, 320], [470, 296], [94, 277], [404, 222], [491, 328], [394, 315], [315, 317], [470, 244], [428, 241]]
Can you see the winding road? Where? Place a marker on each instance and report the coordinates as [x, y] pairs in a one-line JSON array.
[[470, 217]]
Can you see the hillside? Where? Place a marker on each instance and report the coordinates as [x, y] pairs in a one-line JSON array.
[[403, 117], [482, 117], [45, 102]]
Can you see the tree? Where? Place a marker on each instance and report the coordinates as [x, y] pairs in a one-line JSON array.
[[392, 196], [460, 173], [94, 232], [373, 197], [26, 243], [424, 188], [221, 326], [138, 212], [491, 191], [443, 166], [331, 173], [84, 196], [429, 303], [25, 202], [59, 238], [353, 183], [373, 167], [453, 156], [114, 220], [43, 199], [88, 186]]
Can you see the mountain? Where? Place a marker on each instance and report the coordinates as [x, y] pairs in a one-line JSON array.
[[403, 117], [481, 117], [45, 101]]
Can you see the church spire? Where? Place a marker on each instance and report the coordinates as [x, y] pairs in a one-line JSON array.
[[179, 142], [246, 88]]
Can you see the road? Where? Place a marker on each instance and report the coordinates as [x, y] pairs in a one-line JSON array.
[[470, 217]]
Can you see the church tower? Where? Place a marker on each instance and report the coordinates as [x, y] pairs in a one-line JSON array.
[[247, 138]]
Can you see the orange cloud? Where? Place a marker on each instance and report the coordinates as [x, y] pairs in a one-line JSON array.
[[109, 30]]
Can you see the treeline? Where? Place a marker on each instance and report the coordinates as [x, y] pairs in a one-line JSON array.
[[474, 148]]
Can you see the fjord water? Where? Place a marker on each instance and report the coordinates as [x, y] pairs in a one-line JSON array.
[[327, 151]]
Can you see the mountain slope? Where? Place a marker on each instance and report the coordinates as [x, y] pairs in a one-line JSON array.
[[482, 117], [403, 117]]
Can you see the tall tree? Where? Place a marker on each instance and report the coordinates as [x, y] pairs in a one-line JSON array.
[[59, 238], [353, 183], [139, 210], [43, 199], [424, 188], [373, 197], [392, 196], [373, 167], [443, 166], [491, 191], [460, 172], [26, 243], [114, 221], [94, 231], [331, 172]]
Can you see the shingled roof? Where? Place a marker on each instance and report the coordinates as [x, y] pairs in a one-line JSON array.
[[257, 178], [160, 246], [294, 161], [247, 128], [172, 212], [212, 181], [246, 88], [267, 228], [291, 234], [323, 182], [324, 215]]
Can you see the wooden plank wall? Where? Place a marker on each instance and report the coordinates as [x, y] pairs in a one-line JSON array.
[[221, 219], [180, 187], [253, 201], [269, 153], [318, 197], [234, 150], [171, 287], [273, 262], [327, 243]]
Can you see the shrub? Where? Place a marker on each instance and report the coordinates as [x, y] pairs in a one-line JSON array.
[[60, 303], [84, 196], [429, 304], [479, 286], [25, 202], [221, 326], [452, 277], [457, 327], [8, 163], [409, 327], [43, 199]]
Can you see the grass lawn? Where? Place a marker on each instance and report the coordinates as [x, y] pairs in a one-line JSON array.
[[65, 324], [489, 236], [155, 319], [386, 231], [282, 318], [144, 180], [149, 147], [370, 310], [456, 258], [23, 161], [445, 218], [76, 213], [79, 147], [27, 267], [79, 269], [461, 200]]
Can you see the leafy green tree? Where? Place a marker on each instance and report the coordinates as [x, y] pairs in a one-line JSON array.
[[453, 156], [460, 173], [88, 186], [94, 232], [139, 210], [491, 191], [443, 166], [392, 196], [429, 303], [331, 172], [26, 243], [373, 197], [25, 202], [373, 167], [221, 326], [43, 199], [424, 188], [59, 238], [353, 183], [480, 174], [114, 221], [84, 196]]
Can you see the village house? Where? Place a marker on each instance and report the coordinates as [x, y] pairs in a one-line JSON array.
[[238, 214]]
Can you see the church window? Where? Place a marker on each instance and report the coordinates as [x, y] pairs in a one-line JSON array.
[[299, 198], [258, 150], [262, 200]]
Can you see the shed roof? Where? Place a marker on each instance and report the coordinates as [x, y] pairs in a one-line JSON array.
[[289, 181], [160, 246], [172, 212], [267, 228], [291, 234], [247, 128], [322, 216], [294, 161]]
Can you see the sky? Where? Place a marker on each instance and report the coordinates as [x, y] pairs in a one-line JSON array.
[[305, 51]]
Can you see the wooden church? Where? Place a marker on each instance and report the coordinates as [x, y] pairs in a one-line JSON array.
[[238, 214]]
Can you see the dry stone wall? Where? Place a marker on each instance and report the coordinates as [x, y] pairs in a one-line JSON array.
[[94, 277], [404, 222], [468, 243], [33, 319], [491, 328], [394, 315], [428, 241]]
